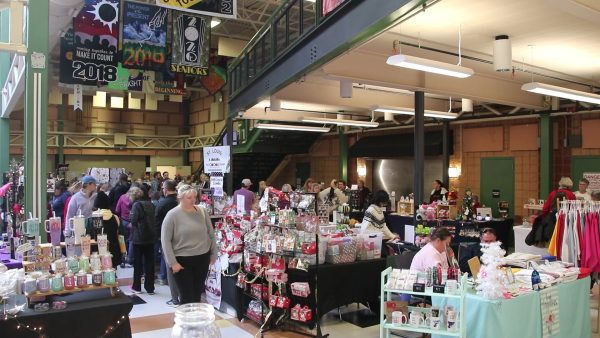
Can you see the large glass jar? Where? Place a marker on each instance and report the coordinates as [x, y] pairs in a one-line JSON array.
[[195, 320]]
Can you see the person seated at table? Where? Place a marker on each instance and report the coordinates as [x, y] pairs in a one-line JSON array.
[[582, 192], [563, 192], [488, 235], [374, 219], [436, 252]]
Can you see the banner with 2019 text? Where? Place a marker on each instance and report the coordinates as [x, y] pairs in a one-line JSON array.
[[96, 35]]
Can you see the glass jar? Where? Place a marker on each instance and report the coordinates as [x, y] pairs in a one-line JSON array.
[[195, 320]]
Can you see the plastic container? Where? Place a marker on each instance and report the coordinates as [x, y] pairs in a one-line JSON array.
[[195, 320]]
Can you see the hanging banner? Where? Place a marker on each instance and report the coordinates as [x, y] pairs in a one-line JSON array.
[[221, 8], [127, 79], [96, 39], [216, 159], [65, 74], [144, 38], [78, 93], [191, 44]]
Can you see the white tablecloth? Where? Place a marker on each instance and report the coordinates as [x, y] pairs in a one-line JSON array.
[[520, 246]]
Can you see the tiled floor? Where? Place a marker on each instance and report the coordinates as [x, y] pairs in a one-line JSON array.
[[155, 319]]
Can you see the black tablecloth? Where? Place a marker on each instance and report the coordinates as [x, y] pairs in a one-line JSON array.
[[341, 284], [230, 293], [503, 228], [88, 314]]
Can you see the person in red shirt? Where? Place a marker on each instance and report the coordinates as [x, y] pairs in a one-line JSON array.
[[563, 192]]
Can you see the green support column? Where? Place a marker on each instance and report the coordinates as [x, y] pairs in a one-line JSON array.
[[546, 147], [4, 67], [36, 111], [60, 126], [343, 154]]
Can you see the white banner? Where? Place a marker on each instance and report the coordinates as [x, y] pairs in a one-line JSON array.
[[216, 184], [216, 159], [78, 93]]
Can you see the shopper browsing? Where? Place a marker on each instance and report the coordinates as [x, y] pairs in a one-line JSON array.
[[83, 200], [189, 245], [436, 252], [374, 219], [117, 191], [110, 227], [143, 230], [563, 192], [59, 201], [165, 204], [333, 197], [439, 192], [248, 195], [488, 235]]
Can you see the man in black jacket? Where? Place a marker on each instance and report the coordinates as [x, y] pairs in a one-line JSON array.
[[117, 191], [488, 235], [165, 204]]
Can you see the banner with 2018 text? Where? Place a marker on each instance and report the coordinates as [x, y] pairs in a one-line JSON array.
[[96, 35]]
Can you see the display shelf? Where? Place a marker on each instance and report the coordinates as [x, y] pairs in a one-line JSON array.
[[428, 292], [387, 293], [88, 288], [411, 328], [248, 294]]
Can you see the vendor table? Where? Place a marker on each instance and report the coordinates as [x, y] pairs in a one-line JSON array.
[[12, 263], [503, 228], [88, 314], [520, 233], [522, 317], [343, 284]]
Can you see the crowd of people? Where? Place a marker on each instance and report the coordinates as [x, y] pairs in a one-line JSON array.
[[160, 225]]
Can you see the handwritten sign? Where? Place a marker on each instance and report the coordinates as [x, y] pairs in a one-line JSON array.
[[216, 184], [216, 159], [241, 204], [594, 179]]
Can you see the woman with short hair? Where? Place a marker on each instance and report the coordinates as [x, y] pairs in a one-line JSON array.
[[143, 228], [189, 246]]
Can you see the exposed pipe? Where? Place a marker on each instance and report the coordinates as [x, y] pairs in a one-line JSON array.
[[491, 109], [516, 109]]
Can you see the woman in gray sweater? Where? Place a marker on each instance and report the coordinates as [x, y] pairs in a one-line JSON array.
[[189, 246]]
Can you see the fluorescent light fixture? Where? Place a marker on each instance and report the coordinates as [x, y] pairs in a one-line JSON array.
[[565, 93], [339, 122], [311, 0], [411, 111], [214, 22], [292, 127], [426, 65]]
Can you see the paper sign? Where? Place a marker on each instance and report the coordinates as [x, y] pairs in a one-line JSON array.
[[241, 204], [216, 185], [409, 234], [474, 265], [594, 179], [216, 159]]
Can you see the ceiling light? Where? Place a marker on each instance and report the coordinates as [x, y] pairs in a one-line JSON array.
[[411, 111], [565, 93], [339, 122], [426, 65], [311, 0], [292, 127], [214, 22]]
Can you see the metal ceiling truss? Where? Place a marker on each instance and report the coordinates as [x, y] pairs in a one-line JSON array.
[[106, 141]]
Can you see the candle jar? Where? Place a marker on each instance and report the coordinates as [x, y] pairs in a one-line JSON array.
[[103, 244], [195, 320], [106, 261], [95, 263], [29, 285], [108, 277], [69, 282], [84, 264], [43, 284], [57, 283], [97, 278], [82, 280], [60, 266], [73, 264]]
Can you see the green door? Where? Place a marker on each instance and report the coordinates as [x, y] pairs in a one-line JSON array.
[[497, 183], [583, 164]]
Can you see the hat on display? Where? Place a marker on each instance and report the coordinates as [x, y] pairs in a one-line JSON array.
[[88, 180], [246, 182]]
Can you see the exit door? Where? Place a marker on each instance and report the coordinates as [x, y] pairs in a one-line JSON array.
[[497, 182]]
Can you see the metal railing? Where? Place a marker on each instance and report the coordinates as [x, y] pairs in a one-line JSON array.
[[289, 24]]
